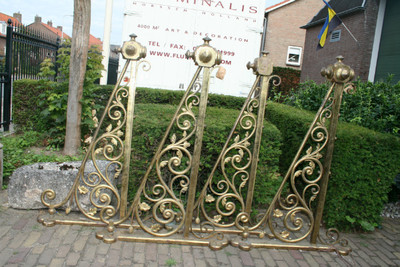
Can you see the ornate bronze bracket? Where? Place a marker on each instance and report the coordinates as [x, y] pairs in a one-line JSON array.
[[165, 208]]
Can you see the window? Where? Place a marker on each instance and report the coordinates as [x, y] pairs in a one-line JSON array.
[[294, 56], [335, 36], [3, 28]]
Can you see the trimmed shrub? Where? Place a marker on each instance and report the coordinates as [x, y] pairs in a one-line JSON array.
[[290, 79], [25, 101], [364, 165], [375, 106], [149, 127]]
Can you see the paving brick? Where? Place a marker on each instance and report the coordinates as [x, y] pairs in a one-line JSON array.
[[259, 263], [20, 224], [38, 249], [125, 263], [151, 252], [211, 261], [208, 253], [163, 258], [4, 230], [127, 250], [63, 251], [379, 261], [340, 262], [103, 248], [57, 262], [296, 254], [72, 258], [17, 240], [70, 237], [288, 258], [197, 253], [328, 256], [186, 249], [310, 259], [360, 261], [303, 263], [320, 260], [268, 258], [4, 242], [255, 254], [55, 242], [139, 257], [282, 264], [31, 260], [18, 255], [113, 257], [222, 257], [200, 263], [246, 258], [275, 254], [234, 260], [176, 252], [383, 257], [80, 243], [116, 245], [46, 235], [90, 252], [187, 260], [46, 256], [163, 249], [83, 264]]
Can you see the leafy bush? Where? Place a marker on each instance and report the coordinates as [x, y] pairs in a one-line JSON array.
[[374, 106], [17, 153], [364, 165], [149, 127], [290, 79], [42, 105], [26, 108]]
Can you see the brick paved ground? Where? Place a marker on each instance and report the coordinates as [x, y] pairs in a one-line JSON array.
[[24, 242]]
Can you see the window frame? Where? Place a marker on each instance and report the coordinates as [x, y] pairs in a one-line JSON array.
[[292, 48]]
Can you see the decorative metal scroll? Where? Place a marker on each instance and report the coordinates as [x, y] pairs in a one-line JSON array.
[[165, 208]]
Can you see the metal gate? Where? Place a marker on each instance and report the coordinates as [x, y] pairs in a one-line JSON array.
[[168, 209], [25, 50]]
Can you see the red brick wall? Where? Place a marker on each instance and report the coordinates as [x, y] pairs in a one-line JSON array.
[[283, 29], [356, 55]]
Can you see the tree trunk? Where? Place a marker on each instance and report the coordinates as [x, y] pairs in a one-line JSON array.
[[77, 70]]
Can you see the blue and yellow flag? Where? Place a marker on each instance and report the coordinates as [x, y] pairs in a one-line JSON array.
[[331, 22]]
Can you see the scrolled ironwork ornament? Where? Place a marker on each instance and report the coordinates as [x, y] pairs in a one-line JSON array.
[[167, 208]]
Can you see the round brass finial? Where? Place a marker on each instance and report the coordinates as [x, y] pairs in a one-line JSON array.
[[338, 72], [189, 54], [130, 50], [133, 36], [207, 40], [205, 56], [340, 58], [264, 53]]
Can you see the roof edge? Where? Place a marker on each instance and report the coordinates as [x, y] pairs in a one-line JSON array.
[[341, 14], [278, 5]]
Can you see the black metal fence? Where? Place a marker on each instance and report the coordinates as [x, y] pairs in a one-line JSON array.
[[25, 50]]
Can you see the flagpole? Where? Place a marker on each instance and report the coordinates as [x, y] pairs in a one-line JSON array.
[[344, 25]]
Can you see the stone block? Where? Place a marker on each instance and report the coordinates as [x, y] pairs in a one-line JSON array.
[[28, 182]]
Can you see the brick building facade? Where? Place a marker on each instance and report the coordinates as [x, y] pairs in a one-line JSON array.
[[360, 17], [16, 20], [284, 39]]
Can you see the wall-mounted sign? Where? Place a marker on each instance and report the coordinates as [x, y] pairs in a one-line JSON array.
[[168, 28]]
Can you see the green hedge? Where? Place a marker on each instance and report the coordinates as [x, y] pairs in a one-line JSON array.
[[375, 106], [364, 165], [152, 120], [25, 101], [290, 79]]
